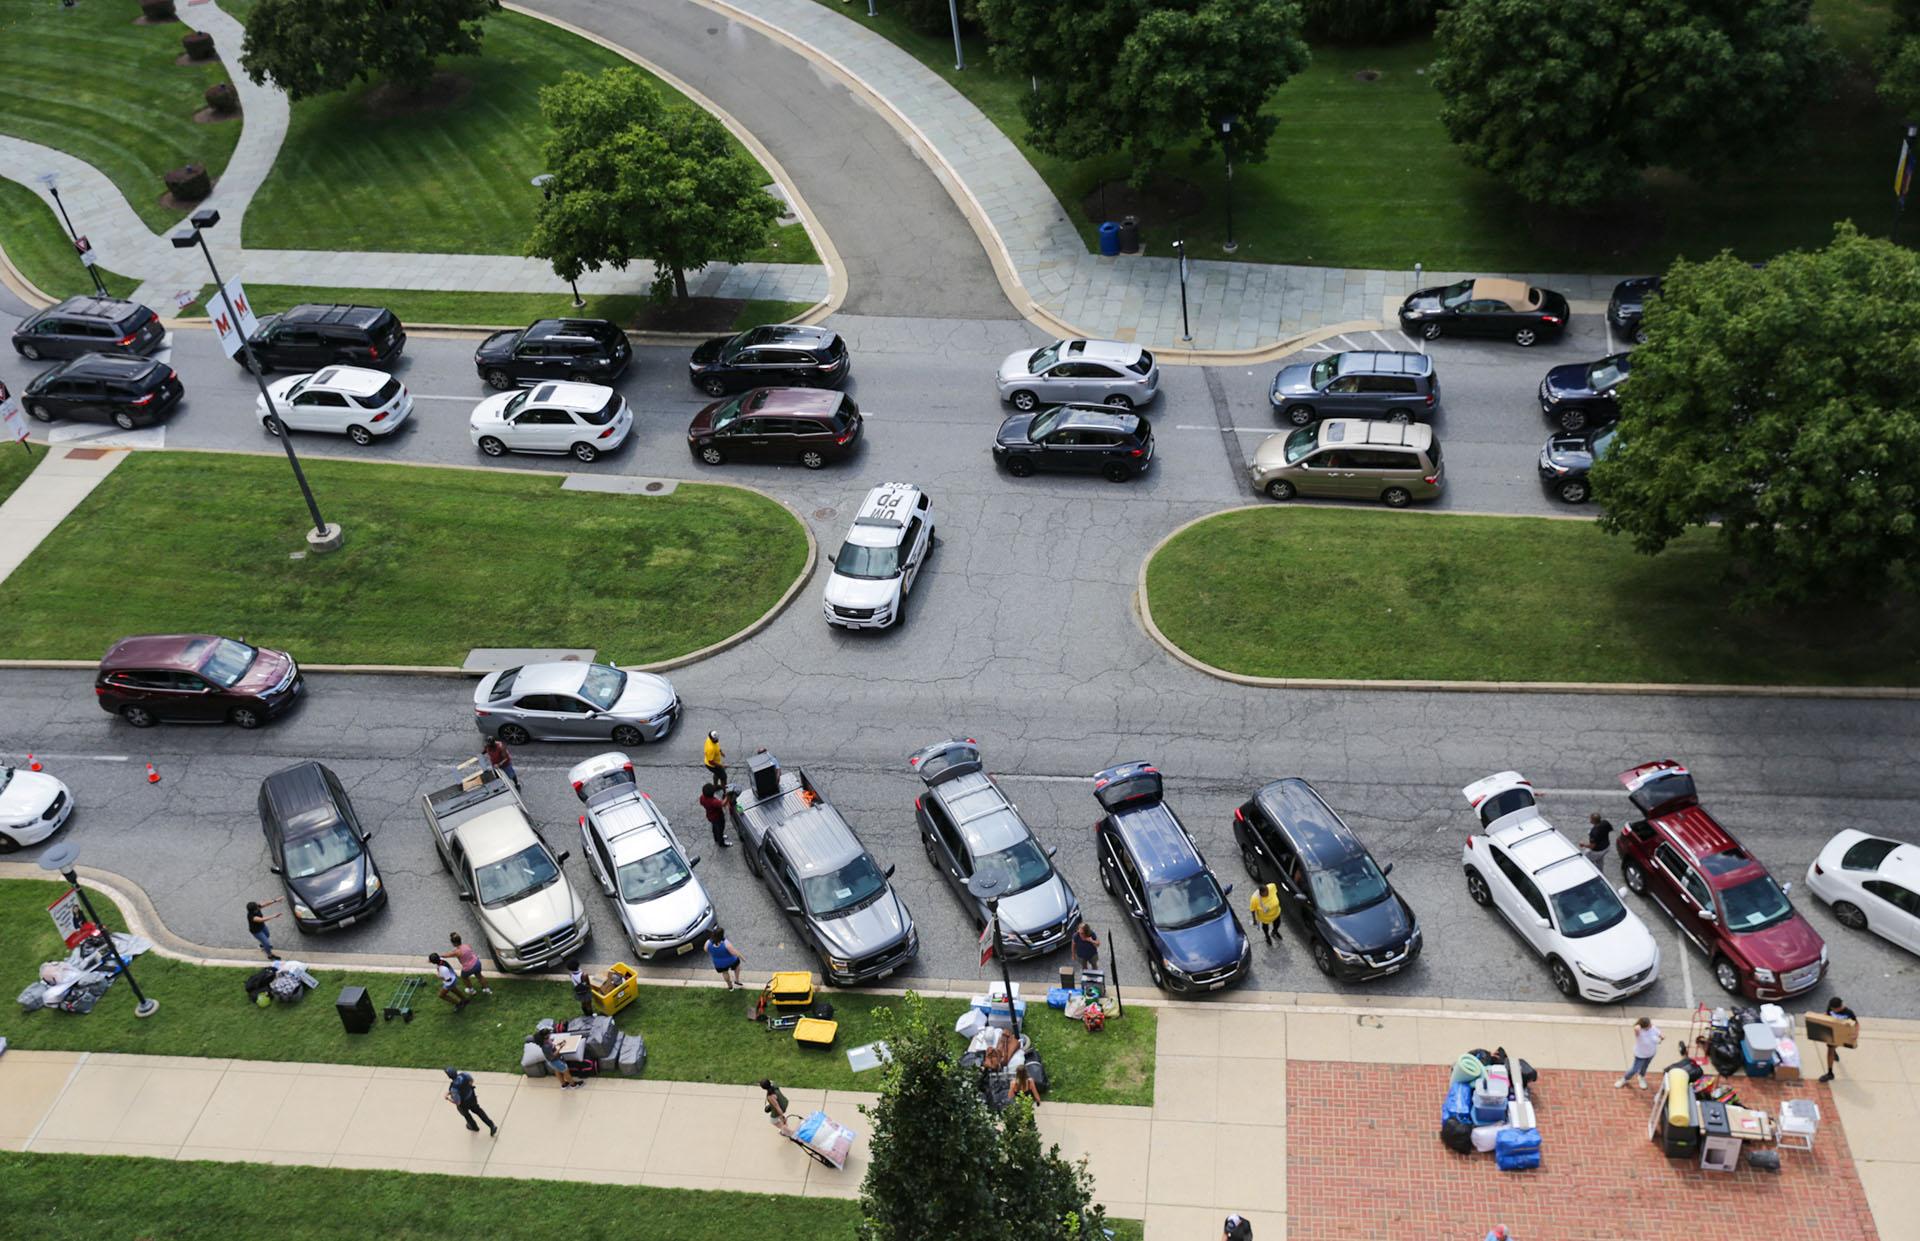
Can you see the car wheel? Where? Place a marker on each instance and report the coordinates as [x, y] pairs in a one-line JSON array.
[[123, 420], [1430, 330], [1636, 878], [813, 458], [1574, 491], [492, 447], [513, 734], [1323, 958], [1019, 467], [1396, 497], [30, 352], [1639, 336], [1573, 420], [1525, 337], [1116, 401], [270, 425], [499, 380], [39, 412], [1563, 980], [1477, 888], [1116, 472], [1300, 415], [926, 842], [1154, 972], [713, 385], [255, 365], [360, 435], [1726, 975], [580, 377], [1400, 418], [1250, 860], [712, 455], [1849, 915], [7, 843], [1280, 489], [245, 717], [627, 734], [585, 452], [1106, 881], [137, 716], [1024, 401]]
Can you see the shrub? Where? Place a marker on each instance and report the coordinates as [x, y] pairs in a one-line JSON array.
[[223, 98], [157, 10], [189, 184], [198, 43]]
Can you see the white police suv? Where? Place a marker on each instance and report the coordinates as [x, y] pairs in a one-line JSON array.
[[876, 567]]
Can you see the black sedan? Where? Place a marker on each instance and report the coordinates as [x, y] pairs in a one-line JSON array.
[[1486, 307], [1584, 394], [772, 355], [124, 389], [1628, 306], [1567, 460]]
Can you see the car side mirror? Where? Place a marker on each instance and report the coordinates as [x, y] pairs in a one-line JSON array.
[[1541, 922], [1227, 891], [833, 557], [275, 870], [562, 859], [792, 910], [1386, 870], [1052, 849], [467, 897], [890, 870], [1785, 888], [366, 838], [1622, 890], [694, 860]]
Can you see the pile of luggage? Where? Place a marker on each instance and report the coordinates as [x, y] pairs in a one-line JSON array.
[[604, 1048], [1487, 1109], [1756, 1041]]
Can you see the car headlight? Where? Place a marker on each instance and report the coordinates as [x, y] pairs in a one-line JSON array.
[[301, 911], [1762, 975], [835, 963], [1172, 968], [1413, 941], [1823, 954], [1351, 958], [1591, 974], [373, 884]]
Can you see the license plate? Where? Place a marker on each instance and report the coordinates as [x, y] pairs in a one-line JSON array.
[[684, 948], [884, 973], [1215, 986], [346, 922]]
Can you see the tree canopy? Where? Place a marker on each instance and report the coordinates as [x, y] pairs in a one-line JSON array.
[[1784, 403], [316, 47], [1898, 60], [1569, 101]]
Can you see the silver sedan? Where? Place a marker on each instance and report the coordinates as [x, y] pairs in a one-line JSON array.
[[575, 702], [1092, 372]]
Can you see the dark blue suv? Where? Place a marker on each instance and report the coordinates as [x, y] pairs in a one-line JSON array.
[[1151, 866]]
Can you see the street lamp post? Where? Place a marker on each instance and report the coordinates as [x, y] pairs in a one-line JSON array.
[[953, 14], [52, 183], [1186, 329], [988, 887], [1226, 140], [324, 538], [545, 183], [61, 859]]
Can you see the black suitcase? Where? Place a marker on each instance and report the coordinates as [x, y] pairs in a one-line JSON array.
[[258, 982], [1457, 1135]]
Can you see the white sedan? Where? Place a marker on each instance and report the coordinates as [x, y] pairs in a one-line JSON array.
[[353, 401], [33, 805], [584, 420], [1872, 883]]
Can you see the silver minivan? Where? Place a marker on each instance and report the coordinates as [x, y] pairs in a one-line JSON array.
[[1089, 372], [1351, 459]]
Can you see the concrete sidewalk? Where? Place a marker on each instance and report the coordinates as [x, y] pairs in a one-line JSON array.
[[64, 477]]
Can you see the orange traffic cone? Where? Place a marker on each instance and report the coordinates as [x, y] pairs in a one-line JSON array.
[[33, 764], [153, 777]]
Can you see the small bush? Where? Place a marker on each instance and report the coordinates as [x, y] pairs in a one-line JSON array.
[[198, 44], [223, 98], [157, 10], [189, 184]]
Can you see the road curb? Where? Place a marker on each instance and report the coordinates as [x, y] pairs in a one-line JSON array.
[[23, 288], [1143, 609]]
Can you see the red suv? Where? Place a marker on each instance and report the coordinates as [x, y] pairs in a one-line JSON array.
[[1719, 895], [195, 676]]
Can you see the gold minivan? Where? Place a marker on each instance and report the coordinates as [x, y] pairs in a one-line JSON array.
[[1350, 459]]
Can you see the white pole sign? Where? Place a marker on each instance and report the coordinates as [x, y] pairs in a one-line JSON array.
[[231, 316], [14, 422]]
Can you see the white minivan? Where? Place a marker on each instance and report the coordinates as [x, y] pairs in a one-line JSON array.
[[877, 565]]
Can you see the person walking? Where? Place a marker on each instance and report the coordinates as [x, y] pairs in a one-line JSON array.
[[776, 1104], [1236, 1228], [1023, 1084], [1837, 1008], [1599, 835], [1646, 1045], [1266, 912], [469, 965], [714, 802], [555, 1065], [1498, 1233], [464, 1099], [726, 962], [582, 989], [450, 989], [500, 759], [715, 758], [257, 919], [1086, 947]]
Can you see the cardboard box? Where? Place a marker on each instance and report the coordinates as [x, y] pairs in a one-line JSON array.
[[1786, 1072], [1833, 1031]]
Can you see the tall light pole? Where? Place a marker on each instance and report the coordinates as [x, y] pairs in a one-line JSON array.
[[987, 887], [323, 537], [544, 182], [953, 15], [1226, 141], [61, 859], [1186, 330], [52, 182]]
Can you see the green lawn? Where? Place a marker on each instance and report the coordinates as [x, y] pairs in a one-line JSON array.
[[1303, 592], [520, 561], [1361, 173], [38, 246], [498, 309], [450, 179], [693, 1034], [16, 462], [88, 81]]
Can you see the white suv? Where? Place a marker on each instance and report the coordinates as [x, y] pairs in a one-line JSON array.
[[353, 401], [876, 567], [582, 419], [1554, 896]]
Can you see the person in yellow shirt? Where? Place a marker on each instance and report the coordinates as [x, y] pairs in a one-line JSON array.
[[1266, 912], [716, 759]]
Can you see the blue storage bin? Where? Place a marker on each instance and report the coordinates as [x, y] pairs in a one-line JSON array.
[[1757, 1063], [1057, 997], [1459, 1105], [1489, 1113], [1516, 1150]]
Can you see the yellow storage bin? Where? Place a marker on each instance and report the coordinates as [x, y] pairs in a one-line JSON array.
[[790, 989], [813, 1032], [615, 989]]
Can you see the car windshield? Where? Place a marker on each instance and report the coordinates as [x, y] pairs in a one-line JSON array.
[[1755, 905], [509, 879], [1603, 443], [729, 413], [514, 403], [1043, 423], [1587, 909], [874, 563], [1185, 902], [1043, 358], [1456, 294], [653, 876], [1302, 442], [502, 685], [856, 883], [1605, 373], [1353, 884], [1019, 866], [603, 685], [332, 846], [228, 662], [731, 350], [299, 385], [6, 777], [1324, 370]]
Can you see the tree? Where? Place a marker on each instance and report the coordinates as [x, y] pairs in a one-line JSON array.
[[315, 47], [637, 178], [1569, 101], [1148, 77], [1897, 58], [1042, 1197], [1783, 403]]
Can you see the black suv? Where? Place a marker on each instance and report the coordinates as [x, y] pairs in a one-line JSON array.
[[774, 355], [1355, 924], [583, 350], [1076, 439], [88, 325], [309, 337], [104, 387], [317, 846], [1628, 306], [1151, 865]]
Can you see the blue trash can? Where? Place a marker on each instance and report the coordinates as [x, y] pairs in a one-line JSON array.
[[1109, 239]]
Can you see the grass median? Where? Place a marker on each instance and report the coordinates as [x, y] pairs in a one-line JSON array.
[[196, 542], [693, 1034], [38, 247], [16, 462], [498, 309], [1303, 592]]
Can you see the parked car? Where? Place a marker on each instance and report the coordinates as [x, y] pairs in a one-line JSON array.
[[196, 677], [1076, 439], [1093, 372], [360, 404], [1150, 864], [1355, 924], [1627, 308], [33, 806], [970, 828], [1872, 883], [777, 426], [638, 861], [127, 390], [1553, 895], [318, 847], [1398, 386], [1566, 463], [575, 702], [582, 350], [1584, 394], [576, 419], [1486, 307], [1351, 459], [88, 324], [874, 570], [775, 354], [1719, 895], [311, 335]]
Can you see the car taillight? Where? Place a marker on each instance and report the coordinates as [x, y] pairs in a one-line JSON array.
[[99, 691], [1549, 318], [1238, 816], [129, 338], [1432, 480], [607, 433], [373, 351], [627, 767], [916, 803], [1429, 400], [381, 416], [1136, 452], [1817, 870], [1469, 842], [843, 437], [142, 401], [576, 788], [479, 712], [583, 818]]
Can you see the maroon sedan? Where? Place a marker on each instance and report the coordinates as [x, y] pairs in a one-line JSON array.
[[195, 677], [783, 426]]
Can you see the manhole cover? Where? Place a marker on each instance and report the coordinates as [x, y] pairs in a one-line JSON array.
[[713, 30], [655, 486], [823, 513], [1367, 75]]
